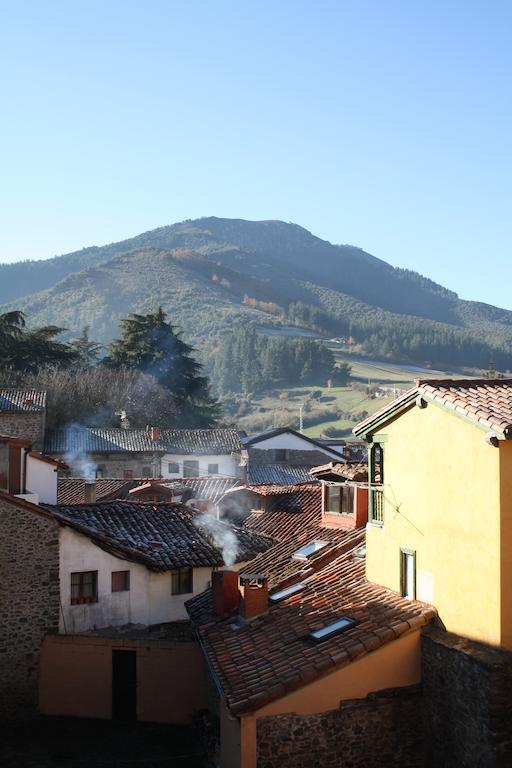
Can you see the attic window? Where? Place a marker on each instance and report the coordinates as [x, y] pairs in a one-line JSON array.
[[288, 592], [341, 625], [309, 549]]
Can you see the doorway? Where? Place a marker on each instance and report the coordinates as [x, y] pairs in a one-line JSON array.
[[124, 685]]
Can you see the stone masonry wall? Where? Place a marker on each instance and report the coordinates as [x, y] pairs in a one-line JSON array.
[[29, 426], [29, 604], [467, 692], [382, 730]]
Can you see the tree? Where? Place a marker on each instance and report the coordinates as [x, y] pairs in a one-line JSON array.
[[28, 349], [153, 346], [87, 351]]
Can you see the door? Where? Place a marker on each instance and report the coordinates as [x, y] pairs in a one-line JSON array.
[[124, 685]]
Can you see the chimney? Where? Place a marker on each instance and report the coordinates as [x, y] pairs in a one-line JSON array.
[[155, 433], [253, 595], [225, 592], [89, 492]]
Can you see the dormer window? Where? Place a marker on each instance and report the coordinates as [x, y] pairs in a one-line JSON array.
[[339, 499]]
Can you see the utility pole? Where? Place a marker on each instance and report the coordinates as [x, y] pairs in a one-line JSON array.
[[301, 425]]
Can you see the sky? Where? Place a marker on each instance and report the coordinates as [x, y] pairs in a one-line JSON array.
[[382, 124]]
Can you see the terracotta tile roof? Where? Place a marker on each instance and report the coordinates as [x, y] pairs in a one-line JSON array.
[[117, 440], [290, 512], [161, 536], [211, 488], [22, 400], [356, 471], [71, 490], [280, 568], [273, 655], [277, 474], [486, 402]]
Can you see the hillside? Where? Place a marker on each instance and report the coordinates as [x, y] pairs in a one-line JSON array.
[[206, 273]]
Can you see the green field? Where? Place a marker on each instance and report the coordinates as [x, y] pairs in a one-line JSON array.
[[335, 408]]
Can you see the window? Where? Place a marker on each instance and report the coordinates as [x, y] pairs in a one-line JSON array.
[[84, 587], [213, 469], [120, 581], [182, 581], [100, 470], [191, 468], [377, 464], [281, 454], [288, 592], [146, 471], [309, 549], [341, 625], [127, 474], [173, 468], [408, 573], [339, 499]]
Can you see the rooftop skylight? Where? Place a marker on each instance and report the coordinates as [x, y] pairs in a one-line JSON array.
[[341, 625], [309, 549], [284, 593]]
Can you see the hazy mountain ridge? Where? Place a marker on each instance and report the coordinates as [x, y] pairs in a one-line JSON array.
[[209, 271]]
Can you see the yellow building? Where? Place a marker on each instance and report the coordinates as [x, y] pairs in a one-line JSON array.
[[440, 520]]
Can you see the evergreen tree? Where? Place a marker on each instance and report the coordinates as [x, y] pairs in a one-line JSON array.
[[153, 346]]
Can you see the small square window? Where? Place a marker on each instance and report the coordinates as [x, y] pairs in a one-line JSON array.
[[127, 474], [182, 581], [173, 468], [84, 587], [120, 581], [100, 471], [213, 469]]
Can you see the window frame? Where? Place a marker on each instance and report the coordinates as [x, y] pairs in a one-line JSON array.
[[179, 585], [406, 552], [173, 464], [126, 587], [215, 471], [82, 599], [346, 496], [187, 466]]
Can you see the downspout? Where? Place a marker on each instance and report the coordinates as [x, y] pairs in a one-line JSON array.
[[24, 480]]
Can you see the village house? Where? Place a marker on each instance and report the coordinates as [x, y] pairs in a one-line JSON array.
[[344, 493], [23, 415], [124, 453], [286, 446], [441, 502], [294, 644]]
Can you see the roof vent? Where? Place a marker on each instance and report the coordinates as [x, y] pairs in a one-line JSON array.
[[287, 592]]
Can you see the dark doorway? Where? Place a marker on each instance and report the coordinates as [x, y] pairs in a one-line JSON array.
[[124, 685]]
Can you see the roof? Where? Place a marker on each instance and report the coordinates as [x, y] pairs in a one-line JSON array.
[[253, 440], [278, 474], [161, 536], [355, 471], [291, 511], [116, 440], [485, 402], [22, 400], [71, 490], [47, 460], [272, 655], [211, 488]]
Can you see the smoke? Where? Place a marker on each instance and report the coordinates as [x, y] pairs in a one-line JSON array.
[[76, 456], [221, 534]]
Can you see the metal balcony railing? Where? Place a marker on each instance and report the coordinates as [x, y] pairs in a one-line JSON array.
[[377, 507]]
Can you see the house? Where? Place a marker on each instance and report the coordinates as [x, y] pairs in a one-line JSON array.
[[123, 562], [125, 453], [27, 473], [344, 493], [440, 518], [287, 446], [23, 414], [296, 642]]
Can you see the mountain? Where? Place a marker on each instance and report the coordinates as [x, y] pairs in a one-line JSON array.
[[208, 272]]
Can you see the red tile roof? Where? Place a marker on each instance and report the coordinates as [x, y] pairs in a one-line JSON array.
[[264, 659], [356, 471], [486, 402], [293, 509], [71, 490], [161, 536]]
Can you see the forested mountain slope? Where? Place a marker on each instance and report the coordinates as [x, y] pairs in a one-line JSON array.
[[207, 272]]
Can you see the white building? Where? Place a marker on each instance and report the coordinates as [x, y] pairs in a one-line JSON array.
[[124, 562], [201, 452]]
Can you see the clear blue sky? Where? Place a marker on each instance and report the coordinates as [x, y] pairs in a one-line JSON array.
[[382, 124]]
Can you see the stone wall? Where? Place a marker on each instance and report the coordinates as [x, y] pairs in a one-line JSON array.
[[467, 692], [382, 730], [294, 458], [29, 603], [115, 464], [29, 426]]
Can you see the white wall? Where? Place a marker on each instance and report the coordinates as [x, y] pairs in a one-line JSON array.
[[148, 601], [287, 440], [42, 480], [228, 465]]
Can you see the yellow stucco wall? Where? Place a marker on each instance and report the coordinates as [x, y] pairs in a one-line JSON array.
[[442, 499]]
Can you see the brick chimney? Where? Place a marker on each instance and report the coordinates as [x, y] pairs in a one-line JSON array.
[[155, 433], [225, 592], [89, 491], [253, 595]]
